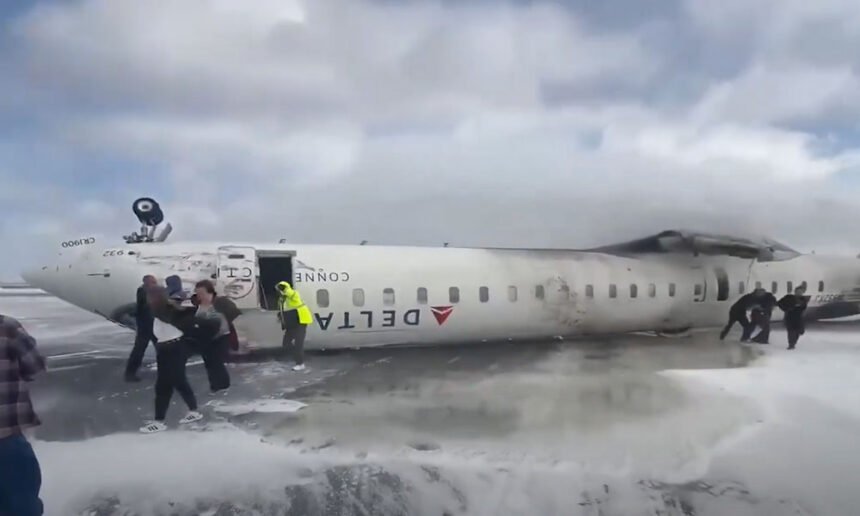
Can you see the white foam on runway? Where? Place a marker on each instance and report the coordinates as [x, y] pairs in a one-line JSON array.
[[785, 427], [265, 406], [148, 471], [805, 443], [798, 450]]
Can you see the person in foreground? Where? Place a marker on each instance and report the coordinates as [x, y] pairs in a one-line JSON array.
[[295, 317], [170, 324], [20, 474]]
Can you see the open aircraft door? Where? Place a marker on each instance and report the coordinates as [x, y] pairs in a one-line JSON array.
[[238, 275]]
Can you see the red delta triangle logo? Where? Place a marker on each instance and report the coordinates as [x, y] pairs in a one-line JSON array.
[[442, 313]]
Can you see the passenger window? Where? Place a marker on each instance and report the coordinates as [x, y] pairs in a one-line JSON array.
[[790, 286], [821, 286], [422, 296], [804, 285], [454, 295], [722, 284], [634, 290], [322, 298], [613, 291], [697, 290], [358, 297], [565, 291], [539, 293], [512, 294], [484, 294], [671, 290], [652, 290], [589, 291], [742, 287], [774, 287], [388, 296]]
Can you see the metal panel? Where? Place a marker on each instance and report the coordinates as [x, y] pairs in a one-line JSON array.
[[238, 275]]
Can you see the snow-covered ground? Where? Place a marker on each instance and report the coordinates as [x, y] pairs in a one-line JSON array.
[[805, 445], [640, 426]]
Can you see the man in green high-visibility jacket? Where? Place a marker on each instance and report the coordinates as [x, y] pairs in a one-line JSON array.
[[295, 317]]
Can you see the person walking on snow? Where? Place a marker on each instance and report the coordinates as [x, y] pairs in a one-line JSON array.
[[794, 305], [171, 325]]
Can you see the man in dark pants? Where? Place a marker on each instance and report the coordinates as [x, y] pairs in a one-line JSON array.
[[20, 474], [295, 317], [143, 320], [738, 313], [767, 302], [794, 305], [172, 323], [214, 315]]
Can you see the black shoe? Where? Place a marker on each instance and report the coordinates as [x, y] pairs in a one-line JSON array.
[[132, 378]]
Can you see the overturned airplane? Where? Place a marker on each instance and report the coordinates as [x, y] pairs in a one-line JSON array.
[[365, 295]]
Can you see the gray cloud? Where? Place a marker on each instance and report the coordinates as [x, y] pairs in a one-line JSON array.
[[524, 123]]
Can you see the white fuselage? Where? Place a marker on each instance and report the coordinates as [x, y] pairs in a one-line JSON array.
[[375, 295]]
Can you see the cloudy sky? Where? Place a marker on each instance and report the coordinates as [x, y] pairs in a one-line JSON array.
[[555, 123]]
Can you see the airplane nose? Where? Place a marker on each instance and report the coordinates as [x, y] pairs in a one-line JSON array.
[[38, 277]]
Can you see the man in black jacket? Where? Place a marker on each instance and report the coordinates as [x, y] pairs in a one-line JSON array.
[[143, 320], [794, 305], [738, 314], [767, 302]]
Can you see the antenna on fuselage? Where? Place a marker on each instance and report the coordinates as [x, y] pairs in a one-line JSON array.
[[149, 213]]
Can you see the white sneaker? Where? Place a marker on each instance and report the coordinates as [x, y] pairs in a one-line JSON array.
[[191, 417], [299, 367], [152, 427]]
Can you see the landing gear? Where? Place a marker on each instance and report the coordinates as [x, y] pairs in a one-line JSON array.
[[149, 214]]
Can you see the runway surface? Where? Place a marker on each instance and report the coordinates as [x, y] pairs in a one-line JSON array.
[[633, 425]]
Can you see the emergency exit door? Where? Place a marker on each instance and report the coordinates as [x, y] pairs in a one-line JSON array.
[[238, 275]]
